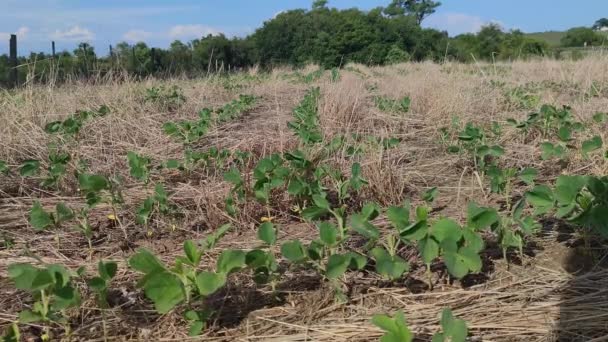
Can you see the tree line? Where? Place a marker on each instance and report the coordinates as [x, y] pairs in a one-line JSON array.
[[321, 35]]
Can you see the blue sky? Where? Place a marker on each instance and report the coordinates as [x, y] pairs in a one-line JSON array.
[[158, 22]]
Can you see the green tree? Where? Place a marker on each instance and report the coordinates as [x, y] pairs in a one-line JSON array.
[[179, 57], [396, 55], [516, 45], [600, 24], [581, 36], [490, 37], [318, 4], [419, 9], [85, 58]]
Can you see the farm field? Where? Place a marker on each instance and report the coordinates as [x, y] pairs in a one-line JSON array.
[[304, 205]]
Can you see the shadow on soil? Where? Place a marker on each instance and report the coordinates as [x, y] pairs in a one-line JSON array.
[[584, 307]]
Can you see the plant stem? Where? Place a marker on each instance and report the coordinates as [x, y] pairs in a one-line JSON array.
[[429, 276]]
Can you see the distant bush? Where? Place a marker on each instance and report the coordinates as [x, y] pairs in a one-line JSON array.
[[579, 36]]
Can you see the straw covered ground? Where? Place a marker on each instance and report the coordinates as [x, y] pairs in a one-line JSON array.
[[559, 291]]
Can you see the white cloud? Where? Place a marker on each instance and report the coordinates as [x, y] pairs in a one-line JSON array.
[[191, 31], [75, 34], [457, 23], [135, 36], [21, 33]]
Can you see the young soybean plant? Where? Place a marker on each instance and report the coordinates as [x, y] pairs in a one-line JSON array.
[[326, 253], [57, 168], [473, 141], [458, 246], [168, 287], [98, 189], [453, 330], [395, 328], [51, 289], [262, 260], [139, 166], [41, 219], [99, 284], [388, 264], [582, 200], [157, 203]]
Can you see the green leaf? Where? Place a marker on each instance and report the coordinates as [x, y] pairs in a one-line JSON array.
[[546, 150], [22, 275], [399, 217], [481, 218], [396, 329], [139, 166], [430, 195], [27, 316], [600, 117], [370, 211], [453, 149], [357, 261], [567, 188], [541, 198], [3, 167], [196, 328], [164, 289], [456, 329], [391, 267], [192, 252], [336, 266], [528, 175], [328, 234], [471, 259], [214, 237], [97, 284], [230, 260], [564, 134], [64, 213], [473, 239], [384, 322], [429, 249], [313, 213], [208, 283], [29, 168], [107, 270], [267, 233], [233, 176], [321, 202], [446, 229], [92, 183], [43, 279], [362, 226], [414, 232], [591, 145], [39, 219], [293, 251], [146, 262], [173, 164], [460, 261]]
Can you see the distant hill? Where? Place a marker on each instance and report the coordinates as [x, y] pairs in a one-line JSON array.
[[551, 37]]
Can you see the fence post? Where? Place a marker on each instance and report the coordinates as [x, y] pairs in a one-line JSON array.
[[53, 48], [13, 73]]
